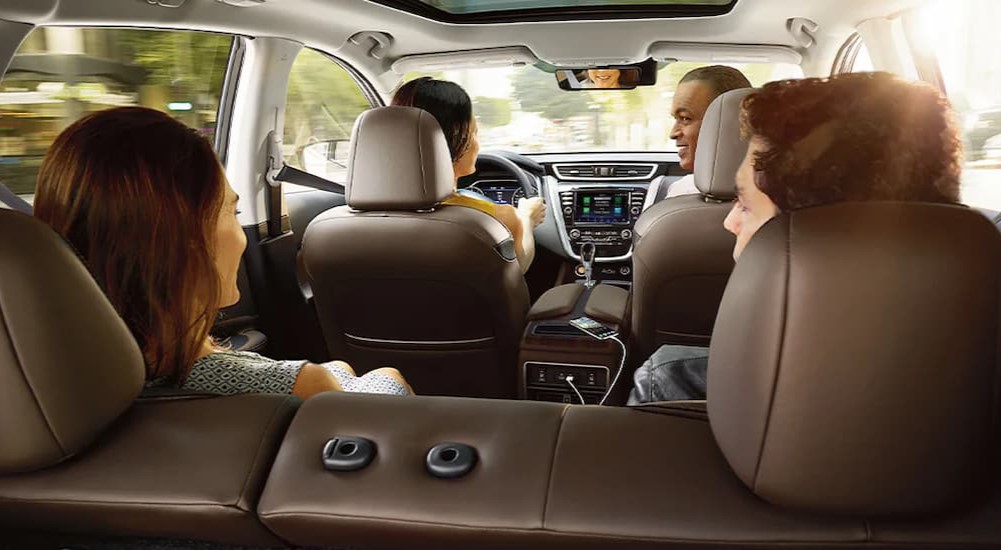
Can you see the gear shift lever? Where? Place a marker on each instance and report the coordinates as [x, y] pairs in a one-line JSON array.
[[587, 251]]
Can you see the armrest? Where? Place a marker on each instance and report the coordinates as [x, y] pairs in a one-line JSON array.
[[607, 303], [548, 476], [556, 302]]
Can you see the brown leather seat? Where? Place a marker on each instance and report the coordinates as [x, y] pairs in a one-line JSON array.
[[682, 256], [853, 402], [855, 365], [399, 280], [79, 455]]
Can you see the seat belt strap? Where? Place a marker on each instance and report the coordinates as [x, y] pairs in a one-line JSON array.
[[9, 198]]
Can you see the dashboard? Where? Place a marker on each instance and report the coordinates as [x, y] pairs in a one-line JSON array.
[[592, 198], [501, 191]]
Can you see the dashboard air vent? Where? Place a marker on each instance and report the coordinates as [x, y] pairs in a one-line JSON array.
[[605, 171], [576, 171]]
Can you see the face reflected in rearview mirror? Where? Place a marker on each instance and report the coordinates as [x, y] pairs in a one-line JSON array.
[[608, 78]]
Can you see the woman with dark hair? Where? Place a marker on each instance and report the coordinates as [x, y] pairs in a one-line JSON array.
[[450, 105], [813, 142], [144, 200]]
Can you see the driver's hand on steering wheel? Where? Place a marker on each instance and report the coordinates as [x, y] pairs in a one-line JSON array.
[[534, 209]]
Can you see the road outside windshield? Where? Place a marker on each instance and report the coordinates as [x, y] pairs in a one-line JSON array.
[[523, 109]]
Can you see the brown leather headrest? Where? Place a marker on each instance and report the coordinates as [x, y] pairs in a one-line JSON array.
[[399, 161], [68, 364], [721, 149], [854, 361]]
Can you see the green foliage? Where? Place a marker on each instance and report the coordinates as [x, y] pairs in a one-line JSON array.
[[189, 63], [537, 92], [323, 101], [492, 112]]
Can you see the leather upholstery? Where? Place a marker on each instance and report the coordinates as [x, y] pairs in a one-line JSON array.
[[682, 256], [399, 160], [394, 500], [68, 364], [556, 301], [553, 476], [721, 148], [189, 468], [607, 303], [438, 294], [855, 364]]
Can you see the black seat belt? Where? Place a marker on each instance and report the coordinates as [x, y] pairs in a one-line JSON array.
[[278, 172], [9, 198]]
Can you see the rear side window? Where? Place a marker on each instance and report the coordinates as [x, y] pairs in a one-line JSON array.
[[964, 38], [323, 101], [61, 74]]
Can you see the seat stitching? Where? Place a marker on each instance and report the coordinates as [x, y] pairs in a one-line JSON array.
[[351, 163], [271, 421], [27, 380], [552, 466], [420, 155], [719, 140], [778, 359]]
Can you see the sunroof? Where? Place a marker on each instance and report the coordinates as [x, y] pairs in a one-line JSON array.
[[503, 11]]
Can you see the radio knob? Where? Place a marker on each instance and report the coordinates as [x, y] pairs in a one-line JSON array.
[[568, 211], [574, 234], [626, 234], [635, 210]]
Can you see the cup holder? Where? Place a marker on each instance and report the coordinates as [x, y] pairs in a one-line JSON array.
[[451, 460], [347, 454]]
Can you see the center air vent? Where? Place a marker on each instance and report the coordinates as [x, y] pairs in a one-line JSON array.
[[605, 171]]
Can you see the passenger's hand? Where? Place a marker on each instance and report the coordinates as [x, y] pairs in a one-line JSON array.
[[534, 209]]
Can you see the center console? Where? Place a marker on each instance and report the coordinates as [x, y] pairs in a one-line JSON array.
[[601, 215], [599, 204], [553, 350]]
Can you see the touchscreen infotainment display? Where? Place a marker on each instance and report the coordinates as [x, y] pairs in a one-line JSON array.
[[601, 207]]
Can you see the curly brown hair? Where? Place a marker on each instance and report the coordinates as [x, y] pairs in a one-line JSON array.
[[853, 137]]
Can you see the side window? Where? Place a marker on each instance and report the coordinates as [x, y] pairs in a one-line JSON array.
[[61, 74], [853, 57], [323, 102], [963, 36]]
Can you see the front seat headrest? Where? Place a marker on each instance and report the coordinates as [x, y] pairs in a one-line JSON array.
[[721, 148], [68, 364], [854, 361], [399, 161]]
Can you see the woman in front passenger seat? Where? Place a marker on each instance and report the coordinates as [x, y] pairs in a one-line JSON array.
[[449, 104], [813, 142], [144, 200]]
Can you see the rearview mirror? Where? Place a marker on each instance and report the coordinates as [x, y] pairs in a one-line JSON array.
[[621, 77]]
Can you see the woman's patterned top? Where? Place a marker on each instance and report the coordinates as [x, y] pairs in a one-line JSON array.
[[232, 372]]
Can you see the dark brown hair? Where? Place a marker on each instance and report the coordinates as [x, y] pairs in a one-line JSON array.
[[447, 102], [720, 78], [853, 137], [138, 194]]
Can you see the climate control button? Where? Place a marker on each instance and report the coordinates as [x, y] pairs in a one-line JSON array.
[[626, 234]]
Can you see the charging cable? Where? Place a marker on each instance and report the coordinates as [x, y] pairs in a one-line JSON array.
[[569, 380], [622, 364]]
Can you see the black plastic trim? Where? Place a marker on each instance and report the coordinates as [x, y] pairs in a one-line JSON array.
[[571, 13], [230, 84]]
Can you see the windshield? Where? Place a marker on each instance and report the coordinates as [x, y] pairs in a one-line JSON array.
[[523, 109]]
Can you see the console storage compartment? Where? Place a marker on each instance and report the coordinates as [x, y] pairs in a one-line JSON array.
[[552, 349]]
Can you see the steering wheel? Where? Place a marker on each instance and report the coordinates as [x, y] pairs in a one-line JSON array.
[[506, 164]]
